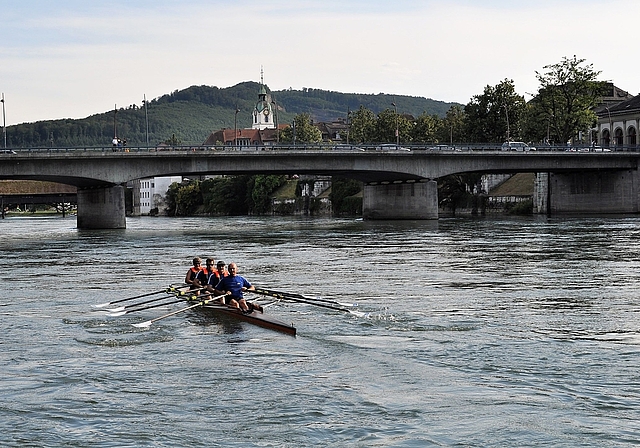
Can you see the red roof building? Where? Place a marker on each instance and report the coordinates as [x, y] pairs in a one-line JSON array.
[[244, 137]]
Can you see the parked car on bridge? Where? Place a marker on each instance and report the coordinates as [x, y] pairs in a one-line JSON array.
[[443, 148], [344, 147], [391, 147], [517, 146]]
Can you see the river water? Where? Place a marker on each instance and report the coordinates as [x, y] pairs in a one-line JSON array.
[[493, 332]]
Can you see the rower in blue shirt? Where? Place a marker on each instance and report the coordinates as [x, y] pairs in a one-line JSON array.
[[232, 286]]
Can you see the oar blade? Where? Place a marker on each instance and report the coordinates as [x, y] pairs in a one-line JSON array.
[[116, 314], [102, 305], [116, 310], [144, 324], [351, 305]]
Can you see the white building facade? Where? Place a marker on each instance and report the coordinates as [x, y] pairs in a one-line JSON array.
[[149, 194]]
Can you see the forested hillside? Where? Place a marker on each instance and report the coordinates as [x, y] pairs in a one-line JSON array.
[[325, 105], [190, 115]]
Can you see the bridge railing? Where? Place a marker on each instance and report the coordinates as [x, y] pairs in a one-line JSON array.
[[383, 147]]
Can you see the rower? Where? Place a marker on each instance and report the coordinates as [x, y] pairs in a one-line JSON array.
[[215, 278], [190, 279], [232, 286], [202, 277]]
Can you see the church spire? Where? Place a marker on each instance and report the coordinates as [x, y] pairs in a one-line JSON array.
[[262, 113]]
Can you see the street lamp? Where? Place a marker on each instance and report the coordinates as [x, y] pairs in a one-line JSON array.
[[4, 123], [395, 108], [115, 123], [506, 111], [146, 116], [610, 126], [235, 127], [294, 133], [275, 109], [348, 123]]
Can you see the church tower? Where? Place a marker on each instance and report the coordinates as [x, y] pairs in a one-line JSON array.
[[263, 112]]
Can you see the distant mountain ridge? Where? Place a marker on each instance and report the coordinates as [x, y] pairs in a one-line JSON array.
[[193, 113]]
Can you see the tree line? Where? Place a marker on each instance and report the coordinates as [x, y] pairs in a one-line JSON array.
[[252, 195], [562, 111]]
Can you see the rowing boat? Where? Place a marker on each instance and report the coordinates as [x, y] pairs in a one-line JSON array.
[[254, 317]]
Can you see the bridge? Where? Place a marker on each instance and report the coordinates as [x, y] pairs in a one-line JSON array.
[[400, 182], [17, 193]]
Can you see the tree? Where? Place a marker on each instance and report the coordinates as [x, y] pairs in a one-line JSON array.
[[183, 199], [344, 196], [173, 141], [564, 104], [387, 124], [457, 190], [362, 126], [495, 115], [452, 127], [263, 188], [427, 129], [302, 129]]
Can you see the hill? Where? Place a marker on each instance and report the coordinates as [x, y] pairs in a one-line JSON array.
[[193, 113]]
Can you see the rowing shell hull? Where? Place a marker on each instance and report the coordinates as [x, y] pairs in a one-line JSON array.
[[254, 317]]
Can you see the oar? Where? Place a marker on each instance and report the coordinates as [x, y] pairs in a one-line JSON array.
[[266, 304], [302, 297], [122, 313], [170, 289], [149, 322], [182, 293], [285, 296], [318, 299], [176, 292]]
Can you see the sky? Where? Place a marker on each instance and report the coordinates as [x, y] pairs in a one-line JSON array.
[[75, 58]]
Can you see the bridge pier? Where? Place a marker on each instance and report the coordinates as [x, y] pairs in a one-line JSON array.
[[101, 208], [589, 192], [418, 200]]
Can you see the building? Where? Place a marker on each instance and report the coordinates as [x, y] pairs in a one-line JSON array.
[[243, 138], [336, 131], [263, 116], [149, 194], [618, 123]]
